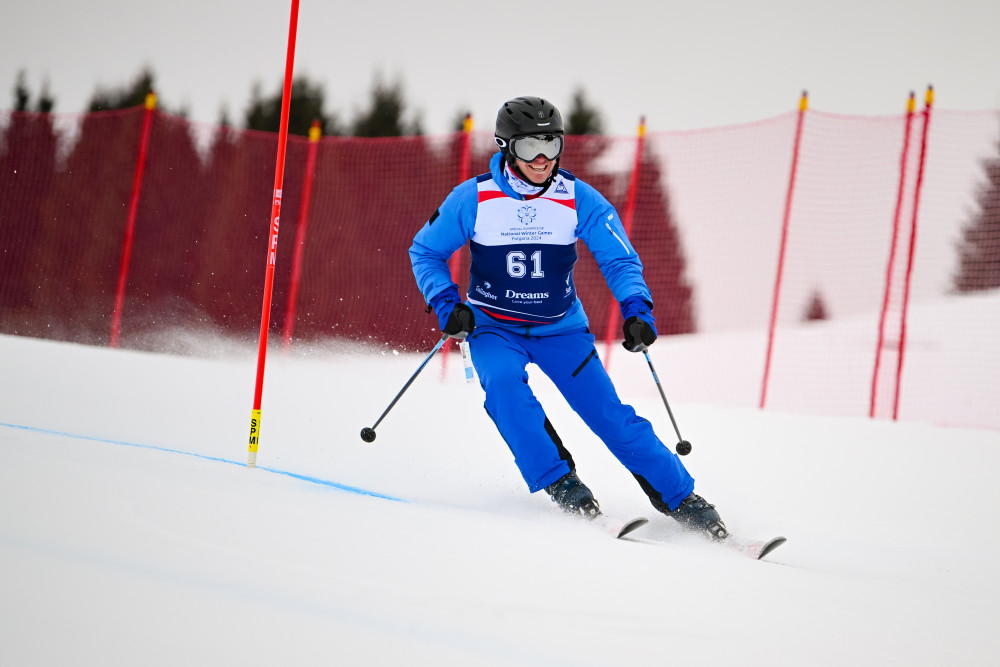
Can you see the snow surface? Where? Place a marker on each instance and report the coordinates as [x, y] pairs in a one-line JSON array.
[[132, 533]]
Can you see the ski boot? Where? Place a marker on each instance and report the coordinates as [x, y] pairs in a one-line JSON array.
[[697, 515], [573, 496]]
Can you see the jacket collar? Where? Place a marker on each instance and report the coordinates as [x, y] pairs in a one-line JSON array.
[[510, 183]]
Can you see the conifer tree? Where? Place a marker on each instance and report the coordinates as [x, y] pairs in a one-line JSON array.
[[979, 249], [28, 146], [816, 310], [583, 118], [123, 97], [22, 97], [656, 239], [384, 116], [305, 106]]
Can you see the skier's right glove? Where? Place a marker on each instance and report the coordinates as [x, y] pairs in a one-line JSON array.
[[454, 317], [460, 323]]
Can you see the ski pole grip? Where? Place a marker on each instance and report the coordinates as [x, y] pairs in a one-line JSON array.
[[635, 330], [465, 320]]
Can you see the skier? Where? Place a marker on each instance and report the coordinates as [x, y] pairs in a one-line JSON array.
[[522, 221]]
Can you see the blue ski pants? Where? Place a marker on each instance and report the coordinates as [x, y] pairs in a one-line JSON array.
[[570, 360]]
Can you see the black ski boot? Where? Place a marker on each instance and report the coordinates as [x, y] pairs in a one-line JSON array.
[[573, 496], [699, 516]]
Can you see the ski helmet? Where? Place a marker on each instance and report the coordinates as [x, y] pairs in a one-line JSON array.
[[523, 116]]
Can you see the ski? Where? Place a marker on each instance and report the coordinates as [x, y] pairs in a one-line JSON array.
[[755, 549], [615, 527], [620, 528]]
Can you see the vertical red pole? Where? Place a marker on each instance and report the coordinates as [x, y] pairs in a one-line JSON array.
[[803, 105], [300, 233], [455, 261], [633, 189], [133, 207], [272, 244], [929, 101], [910, 106]]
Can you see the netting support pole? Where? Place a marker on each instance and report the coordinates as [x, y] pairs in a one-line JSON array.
[[455, 261], [910, 106], [272, 244], [133, 208], [633, 190], [803, 105], [300, 233], [929, 102]]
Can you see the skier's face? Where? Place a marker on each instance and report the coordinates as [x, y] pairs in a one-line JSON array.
[[538, 170]]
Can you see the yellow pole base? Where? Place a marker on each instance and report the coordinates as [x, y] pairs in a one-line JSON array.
[[254, 438]]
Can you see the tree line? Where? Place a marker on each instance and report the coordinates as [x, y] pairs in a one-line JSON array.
[[385, 115]]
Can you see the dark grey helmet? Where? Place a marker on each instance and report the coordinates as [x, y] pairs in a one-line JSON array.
[[526, 115]]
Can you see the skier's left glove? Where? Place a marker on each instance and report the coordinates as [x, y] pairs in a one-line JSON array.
[[454, 317], [640, 325]]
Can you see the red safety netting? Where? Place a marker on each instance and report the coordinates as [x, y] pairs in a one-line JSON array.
[[708, 214]]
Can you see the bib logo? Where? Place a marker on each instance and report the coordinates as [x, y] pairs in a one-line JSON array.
[[511, 294], [485, 293], [526, 214]]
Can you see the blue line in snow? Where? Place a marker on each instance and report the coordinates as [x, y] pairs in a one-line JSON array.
[[286, 473]]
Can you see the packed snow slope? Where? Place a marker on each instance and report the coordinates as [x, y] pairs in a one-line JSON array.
[[132, 533]]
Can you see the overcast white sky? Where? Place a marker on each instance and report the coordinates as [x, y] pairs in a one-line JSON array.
[[682, 64]]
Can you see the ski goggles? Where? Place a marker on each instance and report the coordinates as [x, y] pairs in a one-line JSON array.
[[529, 147]]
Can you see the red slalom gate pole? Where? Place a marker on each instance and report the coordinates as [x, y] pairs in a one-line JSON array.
[[929, 101], [803, 105], [910, 106], [633, 189], [455, 261], [300, 234], [133, 207], [272, 244]]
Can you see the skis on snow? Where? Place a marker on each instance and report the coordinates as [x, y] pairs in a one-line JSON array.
[[619, 528]]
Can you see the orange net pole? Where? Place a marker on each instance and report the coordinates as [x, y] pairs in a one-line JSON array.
[[133, 207], [300, 233], [633, 188], [929, 101], [455, 261], [910, 106], [803, 105]]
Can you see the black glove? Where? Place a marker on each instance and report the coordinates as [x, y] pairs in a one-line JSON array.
[[638, 334], [461, 322]]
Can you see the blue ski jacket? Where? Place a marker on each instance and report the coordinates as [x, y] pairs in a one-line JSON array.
[[523, 251]]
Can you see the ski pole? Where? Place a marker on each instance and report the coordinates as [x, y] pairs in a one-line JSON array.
[[683, 447], [368, 432]]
